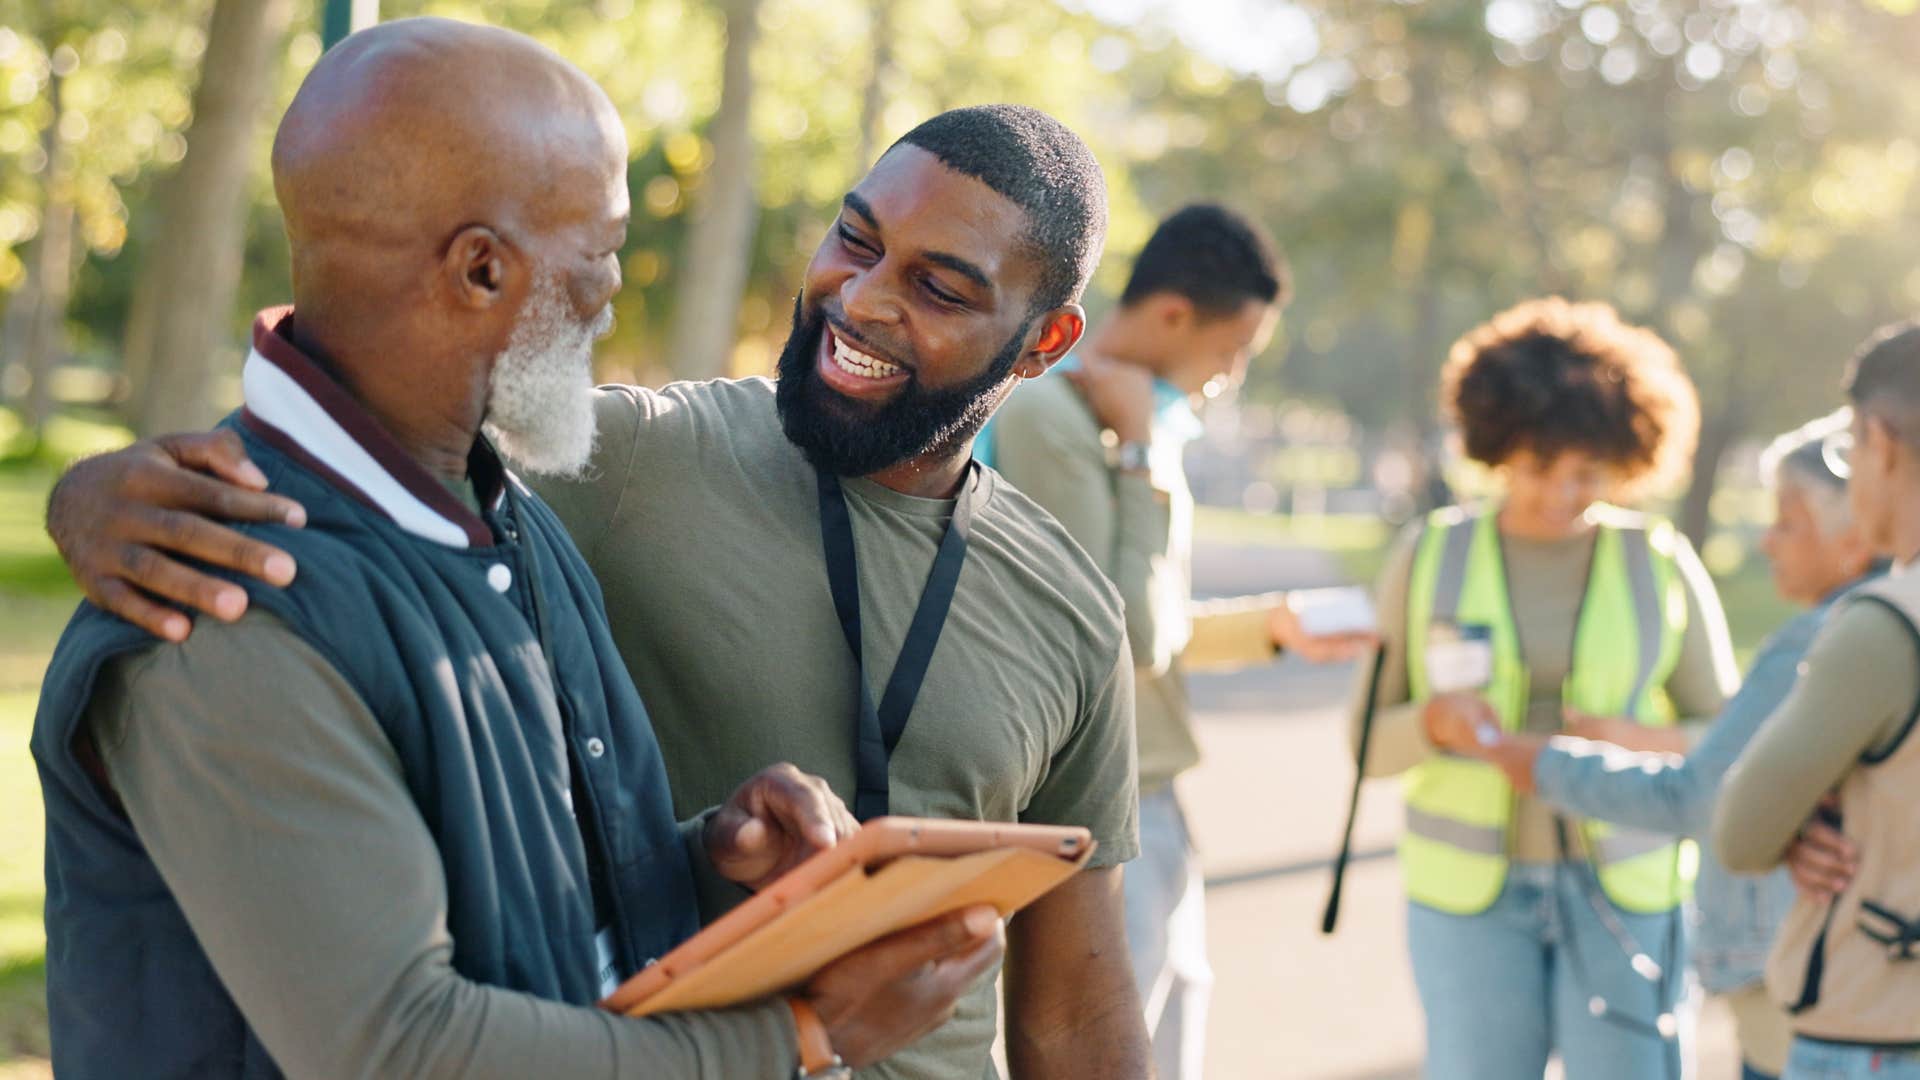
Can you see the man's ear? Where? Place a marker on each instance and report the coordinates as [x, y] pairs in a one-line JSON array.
[[1173, 312], [481, 270], [1883, 443], [1060, 331]]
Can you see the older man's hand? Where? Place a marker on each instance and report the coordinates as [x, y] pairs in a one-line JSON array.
[[774, 822], [883, 998]]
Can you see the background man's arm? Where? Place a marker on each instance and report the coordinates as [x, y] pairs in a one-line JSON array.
[[1858, 690], [286, 832]]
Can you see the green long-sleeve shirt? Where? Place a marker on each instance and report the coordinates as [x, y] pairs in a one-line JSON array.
[[1856, 692], [274, 807]]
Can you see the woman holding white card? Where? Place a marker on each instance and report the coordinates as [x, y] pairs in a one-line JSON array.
[[1534, 933]]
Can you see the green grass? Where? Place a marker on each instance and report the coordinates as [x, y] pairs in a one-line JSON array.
[[36, 597], [1347, 536], [34, 615]]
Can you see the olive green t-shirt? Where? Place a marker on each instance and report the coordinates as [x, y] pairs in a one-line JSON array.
[[702, 523]]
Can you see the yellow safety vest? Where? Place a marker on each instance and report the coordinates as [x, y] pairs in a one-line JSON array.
[[1454, 850]]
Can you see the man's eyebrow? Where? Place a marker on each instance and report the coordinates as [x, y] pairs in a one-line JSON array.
[[962, 267], [955, 263], [860, 206]]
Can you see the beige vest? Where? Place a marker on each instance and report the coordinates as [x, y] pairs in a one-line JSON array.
[[1843, 969]]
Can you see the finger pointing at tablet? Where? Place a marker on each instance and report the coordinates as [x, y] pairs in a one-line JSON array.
[[774, 822]]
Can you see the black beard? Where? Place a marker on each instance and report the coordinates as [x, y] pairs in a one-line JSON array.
[[844, 438]]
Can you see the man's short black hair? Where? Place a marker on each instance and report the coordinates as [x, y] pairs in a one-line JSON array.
[[1887, 367], [1046, 170], [1216, 258]]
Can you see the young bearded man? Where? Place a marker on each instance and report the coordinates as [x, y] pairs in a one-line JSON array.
[[1204, 297], [406, 817], [817, 573]]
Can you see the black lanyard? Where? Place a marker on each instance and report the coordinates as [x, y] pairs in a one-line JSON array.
[[880, 729]]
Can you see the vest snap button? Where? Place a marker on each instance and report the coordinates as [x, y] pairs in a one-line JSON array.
[[500, 577], [595, 748]]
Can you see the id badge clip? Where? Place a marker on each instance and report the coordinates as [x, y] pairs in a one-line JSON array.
[[1459, 657]]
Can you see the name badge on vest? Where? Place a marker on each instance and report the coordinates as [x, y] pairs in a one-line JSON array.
[[1459, 657], [603, 955]]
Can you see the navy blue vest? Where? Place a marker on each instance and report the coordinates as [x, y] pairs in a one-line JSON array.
[[539, 704]]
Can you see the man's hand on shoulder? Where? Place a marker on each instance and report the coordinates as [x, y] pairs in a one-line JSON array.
[[774, 822], [124, 520], [1120, 395]]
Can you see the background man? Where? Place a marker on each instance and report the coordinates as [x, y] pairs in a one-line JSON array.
[[407, 817], [1204, 296], [954, 268]]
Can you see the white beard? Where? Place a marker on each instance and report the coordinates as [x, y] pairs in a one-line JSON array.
[[540, 399]]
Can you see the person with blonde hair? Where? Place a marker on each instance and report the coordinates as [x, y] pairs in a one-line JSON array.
[[1533, 931]]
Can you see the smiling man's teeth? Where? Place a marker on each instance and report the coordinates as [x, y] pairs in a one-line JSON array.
[[854, 362]]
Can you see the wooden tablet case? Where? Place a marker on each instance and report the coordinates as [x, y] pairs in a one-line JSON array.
[[892, 874]]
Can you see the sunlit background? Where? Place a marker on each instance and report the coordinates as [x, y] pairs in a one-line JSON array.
[[1738, 174]]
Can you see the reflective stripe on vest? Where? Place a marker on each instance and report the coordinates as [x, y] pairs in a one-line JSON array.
[[1627, 643]]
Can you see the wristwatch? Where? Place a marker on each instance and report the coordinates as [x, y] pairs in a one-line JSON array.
[[1128, 457], [817, 1059]]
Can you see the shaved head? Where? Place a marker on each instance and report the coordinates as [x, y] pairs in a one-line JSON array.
[[455, 195], [411, 130]]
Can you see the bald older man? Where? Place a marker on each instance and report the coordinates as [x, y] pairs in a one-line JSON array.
[[407, 817]]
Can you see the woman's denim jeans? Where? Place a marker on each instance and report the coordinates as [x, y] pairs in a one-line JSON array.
[[1812, 1060], [1540, 972]]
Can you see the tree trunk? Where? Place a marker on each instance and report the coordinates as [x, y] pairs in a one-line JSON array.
[[873, 103], [184, 295], [35, 331], [1680, 245], [47, 332], [1717, 436], [720, 243], [1430, 488]]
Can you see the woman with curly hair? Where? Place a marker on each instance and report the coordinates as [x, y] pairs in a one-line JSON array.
[[1549, 609]]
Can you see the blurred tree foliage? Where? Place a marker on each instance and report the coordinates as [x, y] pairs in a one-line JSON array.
[[1739, 174]]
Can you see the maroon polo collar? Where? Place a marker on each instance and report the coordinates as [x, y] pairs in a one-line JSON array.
[[294, 404]]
